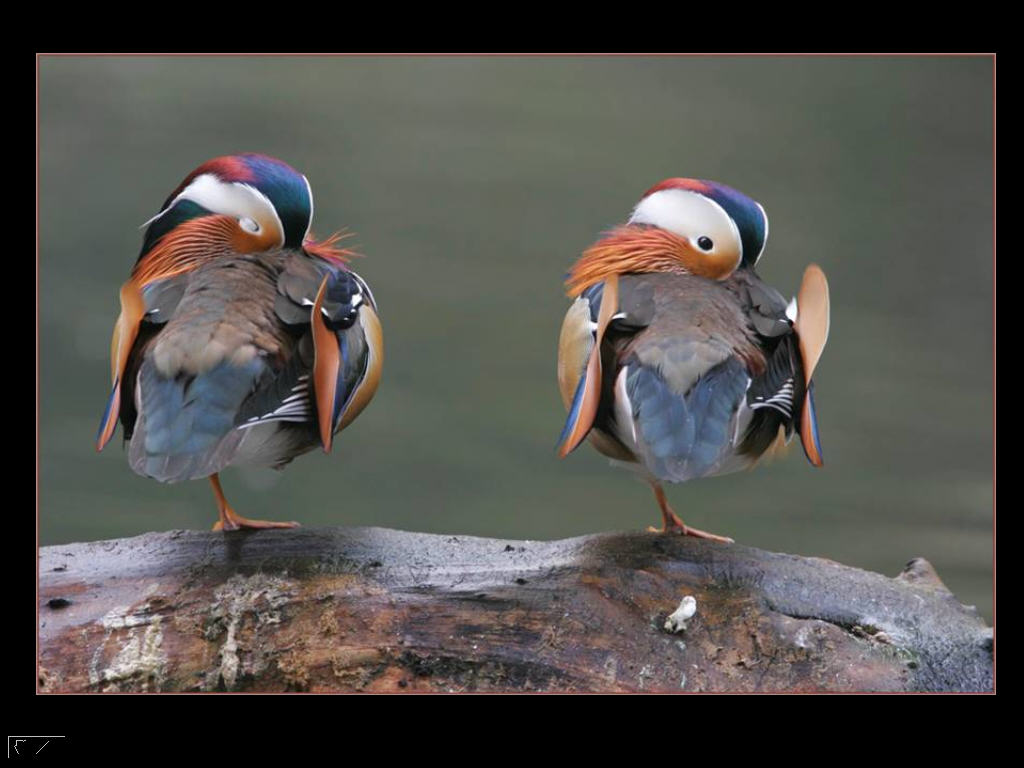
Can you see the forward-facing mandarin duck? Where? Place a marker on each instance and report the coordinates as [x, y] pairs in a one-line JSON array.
[[241, 339], [675, 358]]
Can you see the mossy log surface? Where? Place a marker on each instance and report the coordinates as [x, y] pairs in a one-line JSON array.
[[370, 609]]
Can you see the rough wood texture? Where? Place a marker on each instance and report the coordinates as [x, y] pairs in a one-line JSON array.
[[369, 609]]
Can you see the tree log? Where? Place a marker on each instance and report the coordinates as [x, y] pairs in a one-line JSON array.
[[369, 609]]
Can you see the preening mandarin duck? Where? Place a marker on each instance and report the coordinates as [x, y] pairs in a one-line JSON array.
[[675, 358], [241, 339]]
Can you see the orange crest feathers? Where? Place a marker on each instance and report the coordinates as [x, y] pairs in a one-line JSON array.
[[327, 249]]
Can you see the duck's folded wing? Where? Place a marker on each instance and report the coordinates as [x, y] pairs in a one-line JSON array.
[[781, 398], [772, 405], [144, 311], [812, 326], [618, 307], [338, 363]]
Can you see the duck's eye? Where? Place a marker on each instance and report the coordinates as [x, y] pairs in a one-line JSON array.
[[249, 225], [704, 242]]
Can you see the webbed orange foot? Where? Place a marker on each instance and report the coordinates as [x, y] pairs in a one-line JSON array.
[[672, 524], [231, 520]]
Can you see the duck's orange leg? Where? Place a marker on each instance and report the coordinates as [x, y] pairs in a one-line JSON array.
[[672, 524], [232, 521]]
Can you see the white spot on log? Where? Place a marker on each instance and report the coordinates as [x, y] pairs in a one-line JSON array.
[[244, 605], [229, 656], [139, 664], [611, 670], [801, 637], [120, 618], [140, 659], [677, 620], [646, 673]]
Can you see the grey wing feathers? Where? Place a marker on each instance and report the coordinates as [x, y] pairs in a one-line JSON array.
[[288, 395], [765, 306], [776, 393], [283, 395], [162, 298], [775, 397], [298, 285]]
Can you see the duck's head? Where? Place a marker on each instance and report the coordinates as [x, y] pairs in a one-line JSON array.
[[258, 203], [680, 225], [721, 224]]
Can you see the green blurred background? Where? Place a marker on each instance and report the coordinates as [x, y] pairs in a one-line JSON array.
[[472, 184]]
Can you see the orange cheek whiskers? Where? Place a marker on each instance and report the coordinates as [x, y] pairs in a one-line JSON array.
[[638, 249], [185, 247]]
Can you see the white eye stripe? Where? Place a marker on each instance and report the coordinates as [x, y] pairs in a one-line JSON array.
[[263, 206], [690, 215], [764, 242], [309, 224], [242, 201]]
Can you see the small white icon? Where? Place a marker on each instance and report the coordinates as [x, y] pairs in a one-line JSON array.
[[19, 741]]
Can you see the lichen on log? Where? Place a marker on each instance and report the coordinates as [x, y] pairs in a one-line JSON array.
[[369, 609]]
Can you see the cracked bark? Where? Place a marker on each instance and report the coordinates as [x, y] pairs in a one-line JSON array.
[[379, 610]]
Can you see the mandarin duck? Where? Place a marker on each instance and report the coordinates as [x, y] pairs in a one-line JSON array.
[[241, 339], [674, 358]]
